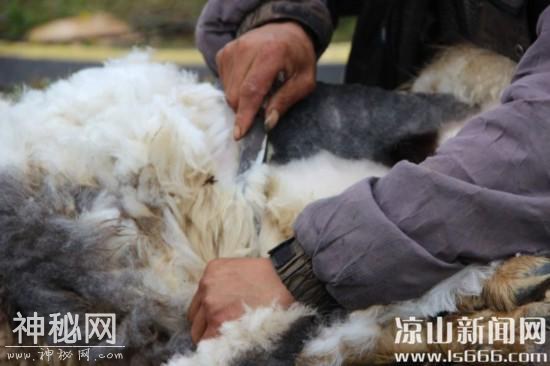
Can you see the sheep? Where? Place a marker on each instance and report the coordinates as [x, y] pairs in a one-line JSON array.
[[119, 183]]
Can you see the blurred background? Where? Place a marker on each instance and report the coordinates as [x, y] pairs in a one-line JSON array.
[[42, 40]]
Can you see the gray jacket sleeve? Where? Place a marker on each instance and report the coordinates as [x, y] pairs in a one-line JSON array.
[[221, 21], [484, 195]]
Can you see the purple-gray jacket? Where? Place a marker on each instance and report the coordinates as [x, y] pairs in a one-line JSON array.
[[223, 20], [484, 195]]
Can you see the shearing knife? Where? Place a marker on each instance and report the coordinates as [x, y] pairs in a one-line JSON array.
[[254, 145]]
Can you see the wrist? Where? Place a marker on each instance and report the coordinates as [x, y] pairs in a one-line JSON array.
[[312, 17], [280, 292]]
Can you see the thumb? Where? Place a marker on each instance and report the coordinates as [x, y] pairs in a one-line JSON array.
[[291, 92]]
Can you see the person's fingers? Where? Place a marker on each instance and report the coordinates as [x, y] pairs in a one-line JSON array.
[[254, 89], [210, 332], [293, 90], [232, 83], [194, 307], [199, 325], [214, 321]]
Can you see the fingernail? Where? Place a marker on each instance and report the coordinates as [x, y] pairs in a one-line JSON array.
[[271, 120], [237, 132]]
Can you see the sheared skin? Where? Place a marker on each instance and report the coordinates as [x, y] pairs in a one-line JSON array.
[[357, 122]]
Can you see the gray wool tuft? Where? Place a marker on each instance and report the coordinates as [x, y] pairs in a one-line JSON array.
[[52, 262]]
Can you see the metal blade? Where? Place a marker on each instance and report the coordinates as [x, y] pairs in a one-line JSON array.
[[253, 146]]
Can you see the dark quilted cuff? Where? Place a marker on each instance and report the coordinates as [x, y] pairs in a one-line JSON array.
[[296, 272], [312, 15]]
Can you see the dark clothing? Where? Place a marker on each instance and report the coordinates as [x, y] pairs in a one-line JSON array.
[[485, 195], [394, 38]]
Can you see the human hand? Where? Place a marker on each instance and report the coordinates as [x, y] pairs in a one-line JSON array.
[[228, 284], [249, 65]]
